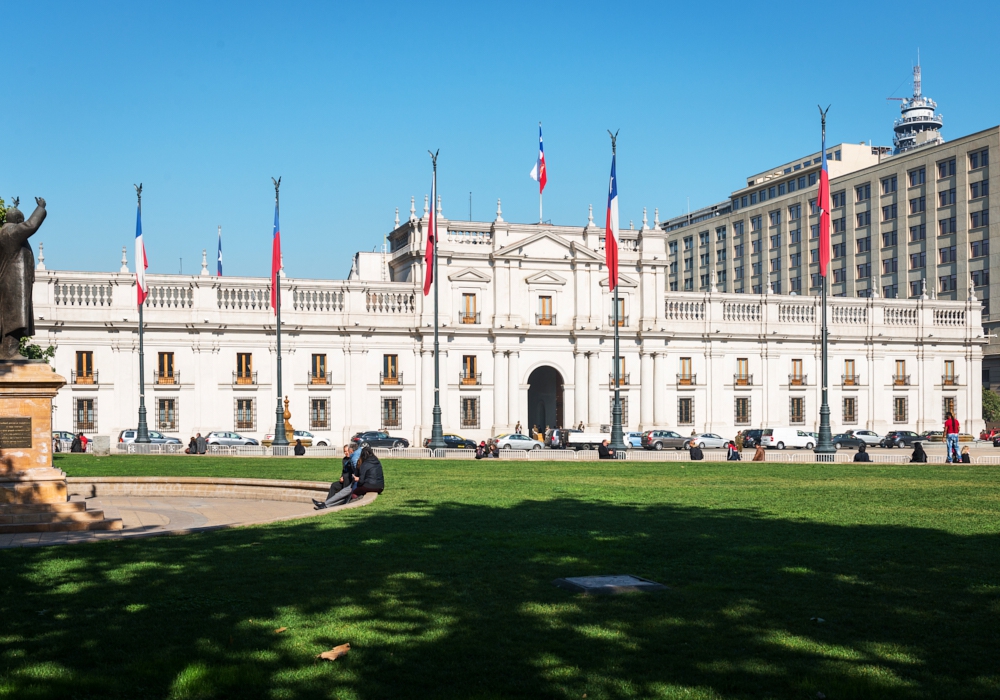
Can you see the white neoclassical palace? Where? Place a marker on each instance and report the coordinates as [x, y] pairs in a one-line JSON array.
[[526, 335]]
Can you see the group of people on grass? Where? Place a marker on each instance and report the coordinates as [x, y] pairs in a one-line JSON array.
[[361, 473], [483, 450]]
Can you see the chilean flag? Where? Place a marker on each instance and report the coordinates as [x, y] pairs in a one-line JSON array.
[[275, 259], [823, 203], [219, 269], [431, 233], [611, 230], [142, 289], [538, 172]]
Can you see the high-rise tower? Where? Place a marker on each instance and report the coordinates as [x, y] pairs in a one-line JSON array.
[[920, 125]]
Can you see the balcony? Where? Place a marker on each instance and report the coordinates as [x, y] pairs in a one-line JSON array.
[[88, 378], [622, 379], [743, 379], [798, 380], [169, 378], [850, 380], [469, 318], [901, 380], [687, 379], [622, 321], [949, 380], [395, 379], [545, 319], [318, 378], [245, 378], [470, 378]]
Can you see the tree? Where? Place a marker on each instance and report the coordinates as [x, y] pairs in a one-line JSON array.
[[35, 352], [3, 212], [991, 406]]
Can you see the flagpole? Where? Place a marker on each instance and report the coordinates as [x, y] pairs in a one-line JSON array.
[[437, 434], [142, 431], [617, 434], [824, 443], [280, 439], [539, 205]]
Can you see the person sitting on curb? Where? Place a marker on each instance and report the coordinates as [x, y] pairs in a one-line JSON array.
[[862, 454], [966, 456], [300, 449], [605, 452], [758, 454], [192, 448], [481, 450], [370, 476], [918, 456], [202, 444], [695, 453], [340, 491], [732, 454]]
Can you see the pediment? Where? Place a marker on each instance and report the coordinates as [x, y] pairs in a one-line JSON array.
[[469, 274], [623, 281], [545, 245], [545, 277]]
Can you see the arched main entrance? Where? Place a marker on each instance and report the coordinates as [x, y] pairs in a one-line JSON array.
[[545, 398]]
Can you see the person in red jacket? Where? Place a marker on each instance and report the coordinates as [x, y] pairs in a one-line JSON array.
[[951, 429]]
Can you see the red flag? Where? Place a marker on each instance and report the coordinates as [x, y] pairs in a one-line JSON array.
[[823, 203], [431, 233]]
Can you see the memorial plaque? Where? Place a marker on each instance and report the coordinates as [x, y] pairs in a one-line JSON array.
[[589, 585], [15, 433]]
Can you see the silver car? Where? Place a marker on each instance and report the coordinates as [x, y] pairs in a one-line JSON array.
[[515, 441], [704, 440], [219, 437], [869, 437]]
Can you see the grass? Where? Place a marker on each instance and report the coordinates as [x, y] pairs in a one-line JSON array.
[[443, 588]]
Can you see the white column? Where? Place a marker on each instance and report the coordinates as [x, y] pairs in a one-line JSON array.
[[580, 389], [660, 389], [595, 411], [426, 391], [646, 390], [500, 390], [443, 380], [514, 392]]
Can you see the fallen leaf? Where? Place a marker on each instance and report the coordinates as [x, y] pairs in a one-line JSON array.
[[280, 630], [335, 653]]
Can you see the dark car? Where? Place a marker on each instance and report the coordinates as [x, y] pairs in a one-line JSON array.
[[900, 438], [658, 439], [454, 442], [845, 440], [751, 438], [376, 438]]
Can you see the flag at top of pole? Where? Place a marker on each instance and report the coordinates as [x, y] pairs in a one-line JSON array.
[[140, 254], [611, 230], [823, 203], [219, 270], [538, 172], [275, 255], [431, 233]]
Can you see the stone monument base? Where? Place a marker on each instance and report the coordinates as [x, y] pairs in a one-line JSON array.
[[33, 495]]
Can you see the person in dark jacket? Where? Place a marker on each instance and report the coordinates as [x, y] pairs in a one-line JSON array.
[[966, 456], [732, 454], [202, 444], [300, 449], [918, 456], [192, 448], [605, 452], [77, 445], [370, 477], [695, 453], [862, 454], [340, 491]]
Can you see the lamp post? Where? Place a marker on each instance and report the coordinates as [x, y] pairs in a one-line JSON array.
[[280, 439], [437, 434], [617, 434], [824, 445], [142, 430]]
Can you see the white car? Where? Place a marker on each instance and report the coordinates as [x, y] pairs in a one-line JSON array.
[[515, 441], [308, 439], [869, 437], [781, 438], [704, 440], [222, 437]]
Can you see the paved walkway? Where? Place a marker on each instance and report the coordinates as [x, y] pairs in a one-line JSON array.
[[143, 516]]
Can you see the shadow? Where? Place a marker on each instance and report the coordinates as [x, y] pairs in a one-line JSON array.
[[452, 600]]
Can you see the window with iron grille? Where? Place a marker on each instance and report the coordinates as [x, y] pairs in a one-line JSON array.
[[246, 414], [611, 409], [797, 410], [850, 410], [84, 415], [470, 412], [166, 414], [742, 410], [319, 414], [685, 411], [899, 409], [392, 414]]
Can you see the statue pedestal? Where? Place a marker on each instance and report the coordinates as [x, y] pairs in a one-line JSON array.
[[33, 496]]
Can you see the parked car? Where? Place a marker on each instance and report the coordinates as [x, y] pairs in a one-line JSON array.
[[454, 442], [514, 441], [870, 437], [704, 440], [220, 437], [633, 439], [900, 438], [847, 440], [932, 436], [780, 438], [658, 439], [154, 437], [751, 438], [558, 438], [377, 438], [308, 439]]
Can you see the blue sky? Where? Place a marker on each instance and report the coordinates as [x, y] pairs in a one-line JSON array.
[[204, 102]]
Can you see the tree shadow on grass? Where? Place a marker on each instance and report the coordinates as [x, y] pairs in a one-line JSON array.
[[455, 600]]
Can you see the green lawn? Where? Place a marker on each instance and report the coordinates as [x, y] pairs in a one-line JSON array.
[[443, 588]]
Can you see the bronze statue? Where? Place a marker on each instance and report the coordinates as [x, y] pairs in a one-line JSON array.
[[17, 276]]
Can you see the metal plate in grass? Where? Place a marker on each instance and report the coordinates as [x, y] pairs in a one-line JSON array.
[[602, 585]]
